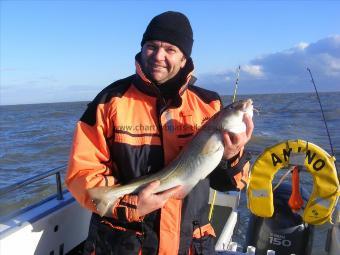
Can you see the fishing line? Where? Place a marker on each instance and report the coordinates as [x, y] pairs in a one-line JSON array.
[[323, 115], [233, 100]]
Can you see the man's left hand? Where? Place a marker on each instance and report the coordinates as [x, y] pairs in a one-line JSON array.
[[234, 143]]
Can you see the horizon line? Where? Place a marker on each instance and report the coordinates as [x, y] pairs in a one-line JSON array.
[[243, 94]]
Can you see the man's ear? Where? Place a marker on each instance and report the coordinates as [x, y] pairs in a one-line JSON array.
[[183, 61]]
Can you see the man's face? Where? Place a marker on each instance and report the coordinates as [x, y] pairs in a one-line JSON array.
[[161, 61]]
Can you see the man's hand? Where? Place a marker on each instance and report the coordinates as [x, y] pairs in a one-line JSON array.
[[149, 201], [234, 143]]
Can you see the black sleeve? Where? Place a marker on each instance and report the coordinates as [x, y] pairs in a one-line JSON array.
[[222, 179]]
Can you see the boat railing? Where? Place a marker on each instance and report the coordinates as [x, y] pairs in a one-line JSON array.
[[55, 171]]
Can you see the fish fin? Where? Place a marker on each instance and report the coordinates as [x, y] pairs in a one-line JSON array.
[[211, 148], [103, 200]]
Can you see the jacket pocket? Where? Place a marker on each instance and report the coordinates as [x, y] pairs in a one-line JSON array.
[[203, 246], [203, 242], [105, 239]]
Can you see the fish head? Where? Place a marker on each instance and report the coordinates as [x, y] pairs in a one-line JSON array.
[[231, 116]]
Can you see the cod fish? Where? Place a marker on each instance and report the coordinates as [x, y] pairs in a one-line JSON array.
[[194, 163]]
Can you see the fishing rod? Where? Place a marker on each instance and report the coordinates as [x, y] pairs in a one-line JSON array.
[[323, 115], [236, 82], [234, 97]]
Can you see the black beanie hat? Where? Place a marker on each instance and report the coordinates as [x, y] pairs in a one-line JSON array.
[[171, 27]]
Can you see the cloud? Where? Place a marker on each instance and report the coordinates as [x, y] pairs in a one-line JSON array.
[[253, 70], [302, 45], [285, 71]]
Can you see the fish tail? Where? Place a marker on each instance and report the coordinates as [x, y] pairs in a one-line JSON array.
[[103, 200]]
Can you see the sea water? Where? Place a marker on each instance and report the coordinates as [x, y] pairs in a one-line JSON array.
[[36, 138]]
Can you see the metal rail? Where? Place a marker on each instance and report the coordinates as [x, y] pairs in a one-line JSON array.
[[55, 171]]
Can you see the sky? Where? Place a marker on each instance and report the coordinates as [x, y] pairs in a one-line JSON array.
[[62, 51]]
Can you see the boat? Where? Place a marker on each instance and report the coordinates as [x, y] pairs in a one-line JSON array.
[[49, 226], [58, 225]]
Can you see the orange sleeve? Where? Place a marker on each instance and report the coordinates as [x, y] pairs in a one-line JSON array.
[[90, 164], [89, 158]]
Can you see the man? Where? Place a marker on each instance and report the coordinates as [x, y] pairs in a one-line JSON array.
[[135, 127]]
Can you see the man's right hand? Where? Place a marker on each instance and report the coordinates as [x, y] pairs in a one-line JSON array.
[[149, 201]]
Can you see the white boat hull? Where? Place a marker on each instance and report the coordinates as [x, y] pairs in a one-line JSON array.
[[53, 227]]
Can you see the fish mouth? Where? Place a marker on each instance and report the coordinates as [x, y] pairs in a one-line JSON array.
[[247, 106], [242, 106], [248, 103]]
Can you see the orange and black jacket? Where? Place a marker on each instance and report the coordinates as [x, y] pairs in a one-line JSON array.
[[130, 130]]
